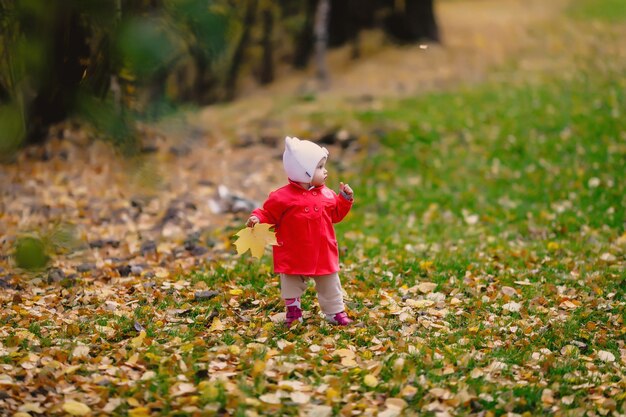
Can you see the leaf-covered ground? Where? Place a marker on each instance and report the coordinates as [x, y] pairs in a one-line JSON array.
[[484, 258]]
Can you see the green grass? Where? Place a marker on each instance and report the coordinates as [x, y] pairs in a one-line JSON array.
[[505, 183], [515, 185], [609, 10]]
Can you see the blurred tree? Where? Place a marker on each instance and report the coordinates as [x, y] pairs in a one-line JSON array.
[[413, 21], [348, 18], [44, 50], [111, 61], [204, 28], [321, 42], [405, 21], [240, 50], [46, 55], [266, 75], [304, 37]]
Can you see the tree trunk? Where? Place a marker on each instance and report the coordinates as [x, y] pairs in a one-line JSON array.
[[340, 22], [235, 67], [420, 16], [267, 64], [305, 39], [321, 42], [201, 91], [415, 22], [59, 86]]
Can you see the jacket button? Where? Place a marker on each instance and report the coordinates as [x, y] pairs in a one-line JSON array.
[[317, 208], [306, 209], [314, 193], [303, 192]]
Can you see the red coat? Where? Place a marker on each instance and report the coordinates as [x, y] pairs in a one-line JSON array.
[[304, 228]]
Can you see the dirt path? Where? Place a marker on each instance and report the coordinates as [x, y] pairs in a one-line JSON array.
[[477, 36]]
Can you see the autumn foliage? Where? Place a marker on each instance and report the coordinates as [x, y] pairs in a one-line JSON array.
[[484, 259]]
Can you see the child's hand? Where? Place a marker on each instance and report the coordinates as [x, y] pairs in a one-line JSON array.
[[346, 189], [253, 220]]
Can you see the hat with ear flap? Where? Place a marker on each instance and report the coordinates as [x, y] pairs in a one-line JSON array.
[[301, 158]]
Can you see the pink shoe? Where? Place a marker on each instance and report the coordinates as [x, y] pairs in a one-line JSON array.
[[294, 312], [340, 319]]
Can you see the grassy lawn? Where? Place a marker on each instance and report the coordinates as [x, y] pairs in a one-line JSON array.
[[485, 260], [609, 10]]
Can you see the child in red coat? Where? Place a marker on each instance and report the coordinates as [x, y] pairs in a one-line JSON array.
[[303, 213]]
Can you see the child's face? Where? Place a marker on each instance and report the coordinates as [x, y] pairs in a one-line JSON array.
[[319, 177]]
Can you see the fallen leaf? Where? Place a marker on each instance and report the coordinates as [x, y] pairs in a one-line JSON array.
[[300, 397], [512, 306], [408, 392], [80, 352], [270, 398], [31, 408], [370, 381], [347, 357], [278, 317], [547, 396], [139, 412], [320, 411], [568, 400], [496, 366], [426, 287], [76, 408], [569, 350], [6, 380], [568, 305], [390, 412], [138, 341], [476, 373], [349, 362], [133, 402], [606, 356], [426, 265], [161, 273], [419, 303], [345, 353], [440, 393], [510, 291], [255, 238], [216, 325], [469, 218], [397, 403], [608, 257], [183, 388]]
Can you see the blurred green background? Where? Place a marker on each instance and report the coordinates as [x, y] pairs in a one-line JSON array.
[[112, 61]]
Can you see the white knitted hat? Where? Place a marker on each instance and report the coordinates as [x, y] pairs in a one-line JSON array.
[[301, 158]]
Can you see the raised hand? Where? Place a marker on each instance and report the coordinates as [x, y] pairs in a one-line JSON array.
[[346, 189]]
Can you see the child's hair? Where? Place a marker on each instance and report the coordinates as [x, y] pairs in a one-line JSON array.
[[301, 157]]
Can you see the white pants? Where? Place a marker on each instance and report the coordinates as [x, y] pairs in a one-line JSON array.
[[328, 287]]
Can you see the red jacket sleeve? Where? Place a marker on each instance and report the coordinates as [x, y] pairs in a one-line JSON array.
[[342, 207], [272, 210]]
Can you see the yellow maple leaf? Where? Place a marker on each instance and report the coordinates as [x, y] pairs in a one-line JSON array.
[[255, 238]]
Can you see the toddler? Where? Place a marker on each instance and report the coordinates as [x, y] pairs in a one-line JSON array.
[[303, 213]]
